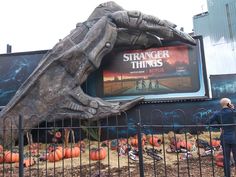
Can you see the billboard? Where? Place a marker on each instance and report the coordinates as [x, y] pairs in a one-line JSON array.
[[223, 85], [175, 70], [15, 69]]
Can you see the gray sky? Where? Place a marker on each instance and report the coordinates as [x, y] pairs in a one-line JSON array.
[[30, 25]]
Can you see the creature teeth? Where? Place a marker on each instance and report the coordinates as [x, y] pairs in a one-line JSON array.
[[67, 105], [77, 107], [73, 106]]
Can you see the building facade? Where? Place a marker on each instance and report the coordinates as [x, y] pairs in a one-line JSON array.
[[218, 28]]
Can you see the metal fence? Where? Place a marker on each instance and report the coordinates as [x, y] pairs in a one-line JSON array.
[[122, 149]]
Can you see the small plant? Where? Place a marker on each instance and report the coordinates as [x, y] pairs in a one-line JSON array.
[[95, 133], [56, 135]]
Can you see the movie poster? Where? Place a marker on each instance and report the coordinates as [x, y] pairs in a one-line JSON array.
[[153, 71]]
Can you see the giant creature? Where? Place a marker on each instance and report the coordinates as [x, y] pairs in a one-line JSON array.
[[53, 91]]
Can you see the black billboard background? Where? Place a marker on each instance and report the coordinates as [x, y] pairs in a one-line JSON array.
[[15, 69], [165, 70], [223, 85]]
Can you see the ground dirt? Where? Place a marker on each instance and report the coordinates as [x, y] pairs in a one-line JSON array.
[[173, 164]]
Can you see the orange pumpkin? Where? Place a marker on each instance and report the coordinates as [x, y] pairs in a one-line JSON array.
[[134, 142], [220, 164], [155, 141], [61, 149], [98, 154], [72, 152], [56, 155], [215, 143], [11, 157], [178, 144], [219, 158], [183, 144]]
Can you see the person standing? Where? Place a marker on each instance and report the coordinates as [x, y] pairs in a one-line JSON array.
[[226, 117]]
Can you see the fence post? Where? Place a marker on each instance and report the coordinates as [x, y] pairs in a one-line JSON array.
[[140, 151], [21, 147]]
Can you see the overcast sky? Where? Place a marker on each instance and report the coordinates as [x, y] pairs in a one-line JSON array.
[[30, 25]]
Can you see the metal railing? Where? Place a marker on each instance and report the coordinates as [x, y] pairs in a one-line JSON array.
[[122, 149]]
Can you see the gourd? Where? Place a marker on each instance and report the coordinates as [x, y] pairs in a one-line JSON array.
[[72, 152], [155, 141], [11, 157], [56, 155], [98, 153], [215, 143]]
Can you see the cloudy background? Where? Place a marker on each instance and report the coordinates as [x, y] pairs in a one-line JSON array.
[[30, 25]]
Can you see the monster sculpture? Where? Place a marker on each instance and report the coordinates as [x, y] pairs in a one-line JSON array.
[[53, 91]]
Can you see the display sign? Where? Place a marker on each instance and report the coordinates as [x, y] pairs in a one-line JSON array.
[[156, 70], [223, 85], [15, 68], [172, 71]]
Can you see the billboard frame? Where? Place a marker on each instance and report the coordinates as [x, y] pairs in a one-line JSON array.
[[97, 82]]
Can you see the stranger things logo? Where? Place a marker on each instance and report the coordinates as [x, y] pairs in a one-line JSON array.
[[156, 70], [146, 59]]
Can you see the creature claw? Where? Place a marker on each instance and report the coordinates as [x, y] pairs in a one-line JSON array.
[[183, 36], [170, 23], [130, 104], [162, 28]]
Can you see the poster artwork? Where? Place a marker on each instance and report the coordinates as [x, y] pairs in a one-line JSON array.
[[153, 71]]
